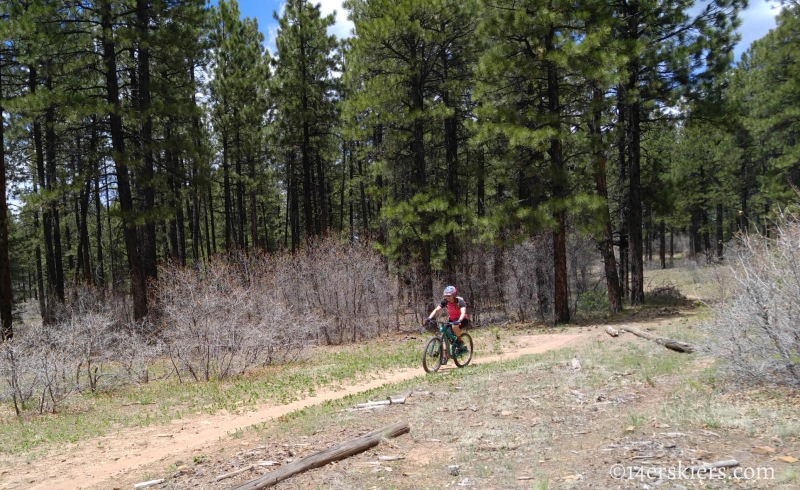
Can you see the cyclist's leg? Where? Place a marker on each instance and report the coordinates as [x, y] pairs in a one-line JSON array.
[[458, 328], [459, 343], [457, 331]]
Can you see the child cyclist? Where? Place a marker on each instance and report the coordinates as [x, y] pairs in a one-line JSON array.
[[456, 311]]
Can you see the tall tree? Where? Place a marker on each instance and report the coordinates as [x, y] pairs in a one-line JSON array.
[[304, 92], [6, 330], [529, 74], [401, 67]]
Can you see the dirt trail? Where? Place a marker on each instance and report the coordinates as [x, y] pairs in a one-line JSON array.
[[98, 462]]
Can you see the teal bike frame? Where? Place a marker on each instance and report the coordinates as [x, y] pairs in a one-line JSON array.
[[442, 347]]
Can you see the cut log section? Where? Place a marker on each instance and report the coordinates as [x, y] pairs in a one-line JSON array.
[[675, 345], [610, 331], [340, 451]]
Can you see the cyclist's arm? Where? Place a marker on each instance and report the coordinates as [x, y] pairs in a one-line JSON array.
[[435, 311], [463, 306]]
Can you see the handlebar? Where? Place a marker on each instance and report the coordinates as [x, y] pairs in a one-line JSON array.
[[441, 324]]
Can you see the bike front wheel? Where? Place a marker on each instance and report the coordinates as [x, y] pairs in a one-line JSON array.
[[463, 358], [432, 355]]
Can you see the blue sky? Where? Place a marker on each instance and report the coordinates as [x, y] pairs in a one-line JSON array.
[[757, 20]]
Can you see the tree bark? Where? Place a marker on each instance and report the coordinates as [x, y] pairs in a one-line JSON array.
[[675, 345], [294, 203], [148, 199], [138, 283], [634, 165], [226, 191], [322, 200], [606, 244], [240, 216], [38, 258], [635, 199], [83, 232], [47, 226], [662, 244], [50, 141], [253, 209], [101, 275], [6, 300], [561, 285], [622, 166], [720, 235]]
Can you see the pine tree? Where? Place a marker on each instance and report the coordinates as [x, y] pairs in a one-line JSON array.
[[6, 299], [304, 91], [401, 67], [539, 53], [238, 106]]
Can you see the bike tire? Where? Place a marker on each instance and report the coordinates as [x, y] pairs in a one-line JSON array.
[[432, 355], [464, 358]]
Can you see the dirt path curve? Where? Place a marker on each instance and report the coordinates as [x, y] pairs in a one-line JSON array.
[[98, 462]]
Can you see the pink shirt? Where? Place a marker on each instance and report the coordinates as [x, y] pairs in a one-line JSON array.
[[454, 308]]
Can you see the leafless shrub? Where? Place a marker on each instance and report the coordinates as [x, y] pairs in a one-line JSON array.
[[583, 267], [136, 353], [343, 288], [19, 379], [528, 281], [756, 333], [220, 321]]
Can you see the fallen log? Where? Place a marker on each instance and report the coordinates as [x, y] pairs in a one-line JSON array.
[[610, 331], [335, 453], [675, 345]]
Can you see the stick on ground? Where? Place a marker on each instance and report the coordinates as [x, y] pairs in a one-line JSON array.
[[340, 451]]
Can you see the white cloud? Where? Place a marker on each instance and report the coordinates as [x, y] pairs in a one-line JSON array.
[[343, 27], [757, 20]]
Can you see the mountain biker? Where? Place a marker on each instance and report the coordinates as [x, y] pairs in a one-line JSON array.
[[456, 312]]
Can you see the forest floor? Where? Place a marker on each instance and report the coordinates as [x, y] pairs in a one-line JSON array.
[[520, 416]]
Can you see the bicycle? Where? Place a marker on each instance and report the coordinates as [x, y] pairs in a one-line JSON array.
[[442, 347]]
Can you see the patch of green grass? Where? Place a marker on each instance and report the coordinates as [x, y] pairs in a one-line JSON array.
[[636, 419], [541, 485], [790, 475]]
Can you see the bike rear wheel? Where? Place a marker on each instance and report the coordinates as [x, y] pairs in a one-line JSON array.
[[465, 357], [432, 355]]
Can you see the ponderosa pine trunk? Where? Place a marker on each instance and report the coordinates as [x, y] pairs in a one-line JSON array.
[[662, 244], [720, 233], [6, 301], [634, 138], [561, 284], [147, 244], [606, 244], [138, 282], [419, 180]]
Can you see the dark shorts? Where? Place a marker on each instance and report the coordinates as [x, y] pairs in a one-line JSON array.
[[464, 324]]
